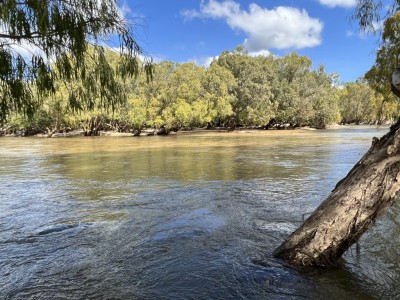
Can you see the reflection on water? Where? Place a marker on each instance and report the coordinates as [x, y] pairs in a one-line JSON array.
[[190, 216]]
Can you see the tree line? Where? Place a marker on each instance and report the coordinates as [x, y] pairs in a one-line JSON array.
[[236, 90]]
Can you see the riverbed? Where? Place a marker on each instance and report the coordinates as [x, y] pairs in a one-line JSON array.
[[190, 216]]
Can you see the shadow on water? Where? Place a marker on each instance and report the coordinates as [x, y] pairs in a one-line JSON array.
[[187, 217]]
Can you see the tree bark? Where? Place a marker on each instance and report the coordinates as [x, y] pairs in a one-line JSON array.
[[352, 207]]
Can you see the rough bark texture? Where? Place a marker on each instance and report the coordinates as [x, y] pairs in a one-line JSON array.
[[352, 207]]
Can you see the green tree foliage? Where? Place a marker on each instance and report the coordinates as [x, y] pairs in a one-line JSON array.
[[57, 34], [157, 94], [284, 89], [251, 104], [379, 76], [219, 85], [185, 95], [188, 109], [358, 103], [69, 80], [368, 13], [303, 96], [236, 89]]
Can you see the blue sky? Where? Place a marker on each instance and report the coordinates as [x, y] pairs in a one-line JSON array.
[[194, 30]]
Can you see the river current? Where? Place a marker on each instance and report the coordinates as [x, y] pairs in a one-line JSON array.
[[189, 216]]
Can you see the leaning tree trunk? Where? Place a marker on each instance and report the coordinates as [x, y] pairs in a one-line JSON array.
[[352, 207]]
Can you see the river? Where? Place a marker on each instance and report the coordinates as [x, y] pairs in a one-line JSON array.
[[188, 216]]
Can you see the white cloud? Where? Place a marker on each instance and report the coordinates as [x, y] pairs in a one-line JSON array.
[[260, 53], [189, 14], [339, 3], [279, 28]]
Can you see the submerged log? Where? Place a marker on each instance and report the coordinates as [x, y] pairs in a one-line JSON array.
[[352, 207]]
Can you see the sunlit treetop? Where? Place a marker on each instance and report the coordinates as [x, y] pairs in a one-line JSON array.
[[45, 40]]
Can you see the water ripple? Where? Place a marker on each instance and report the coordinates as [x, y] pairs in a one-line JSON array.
[[188, 217]]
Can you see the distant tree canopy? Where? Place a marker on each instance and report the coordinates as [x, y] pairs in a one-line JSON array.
[[236, 90], [46, 41], [71, 77]]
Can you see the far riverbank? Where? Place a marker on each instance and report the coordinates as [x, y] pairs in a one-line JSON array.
[[158, 132]]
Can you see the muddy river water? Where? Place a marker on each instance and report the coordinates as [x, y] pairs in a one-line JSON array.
[[189, 216]]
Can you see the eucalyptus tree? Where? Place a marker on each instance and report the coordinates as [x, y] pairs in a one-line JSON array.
[[157, 93], [303, 96], [97, 115], [183, 95], [189, 108], [251, 104], [359, 103], [218, 84], [292, 103], [379, 77], [361, 197], [387, 59], [42, 41], [137, 115], [174, 96], [324, 95]]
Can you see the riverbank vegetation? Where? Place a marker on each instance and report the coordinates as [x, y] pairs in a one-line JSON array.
[[58, 73], [236, 90], [45, 60]]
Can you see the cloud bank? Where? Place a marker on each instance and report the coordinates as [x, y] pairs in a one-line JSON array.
[[278, 28]]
